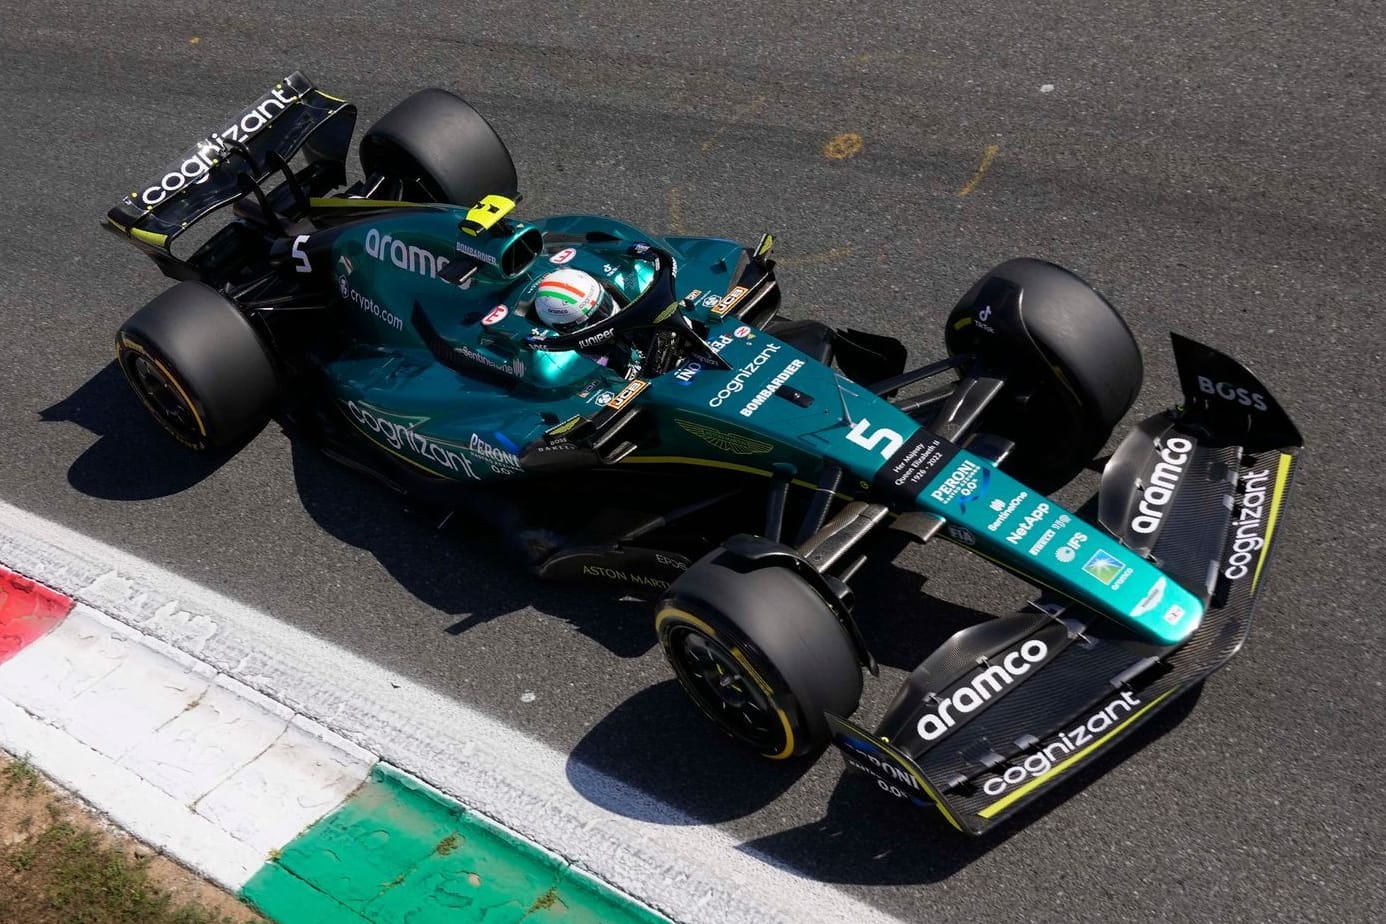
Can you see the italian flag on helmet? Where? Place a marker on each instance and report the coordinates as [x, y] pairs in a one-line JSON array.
[[566, 298]]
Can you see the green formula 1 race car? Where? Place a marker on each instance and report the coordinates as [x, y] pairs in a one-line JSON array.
[[742, 466]]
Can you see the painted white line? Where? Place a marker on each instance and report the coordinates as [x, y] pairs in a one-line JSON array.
[[690, 872]]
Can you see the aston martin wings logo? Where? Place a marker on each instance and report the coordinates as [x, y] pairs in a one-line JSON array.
[[727, 442]]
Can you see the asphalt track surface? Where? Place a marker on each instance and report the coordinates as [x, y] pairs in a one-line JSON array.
[[1214, 169]]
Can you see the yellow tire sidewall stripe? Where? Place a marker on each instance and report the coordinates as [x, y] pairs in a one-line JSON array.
[[673, 612], [126, 343]]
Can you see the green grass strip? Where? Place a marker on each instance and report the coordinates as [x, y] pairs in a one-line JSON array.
[[398, 852]]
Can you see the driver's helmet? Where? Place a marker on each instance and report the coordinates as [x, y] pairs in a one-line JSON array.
[[569, 299]]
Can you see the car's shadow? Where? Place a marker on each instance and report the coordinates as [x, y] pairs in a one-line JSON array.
[[421, 547], [703, 774], [654, 752], [133, 459]]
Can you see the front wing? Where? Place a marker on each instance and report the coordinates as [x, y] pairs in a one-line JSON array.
[[1004, 711]]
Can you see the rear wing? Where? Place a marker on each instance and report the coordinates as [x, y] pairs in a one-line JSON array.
[[232, 162]]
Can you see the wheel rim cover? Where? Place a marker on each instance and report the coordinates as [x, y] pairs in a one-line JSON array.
[[162, 398], [720, 685]]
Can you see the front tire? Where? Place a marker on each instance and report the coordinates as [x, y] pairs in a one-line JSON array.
[[198, 366], [760, 654], [1072, 367]]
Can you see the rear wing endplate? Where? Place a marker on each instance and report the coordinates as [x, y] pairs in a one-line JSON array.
[[232, 161]]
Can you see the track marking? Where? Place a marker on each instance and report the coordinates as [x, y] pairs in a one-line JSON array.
[[750, 109], [987, 157], [675, 199], [843, 146], [839, 147]]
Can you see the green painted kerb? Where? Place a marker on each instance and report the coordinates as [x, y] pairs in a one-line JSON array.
[[397, 853]]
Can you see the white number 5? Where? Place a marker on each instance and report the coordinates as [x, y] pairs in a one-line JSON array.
[[893, 441], [303, 266]]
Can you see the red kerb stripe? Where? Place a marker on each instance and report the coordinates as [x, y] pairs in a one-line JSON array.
[[27, 611]]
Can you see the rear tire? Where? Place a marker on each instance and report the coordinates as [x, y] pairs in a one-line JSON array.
[[760, 654], [1071, 365], [441, 145], [198, 366]]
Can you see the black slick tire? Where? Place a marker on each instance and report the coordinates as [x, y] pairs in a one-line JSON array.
[[437, 142], [1072, 367], [760, 654], [199, 367]]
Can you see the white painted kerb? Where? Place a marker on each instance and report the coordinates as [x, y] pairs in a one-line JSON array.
[[184, 758]]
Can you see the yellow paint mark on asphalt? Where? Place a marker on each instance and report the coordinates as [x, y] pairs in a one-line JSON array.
[[843, 146], [753, 107], [987, 157], [832, 255], [676, 210], [194, 40]]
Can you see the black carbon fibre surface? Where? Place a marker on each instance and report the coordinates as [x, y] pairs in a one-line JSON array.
[[1169, 495], [1078, 678], [1190, 547], [960, 654], [1229, 620], [992, 676]]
